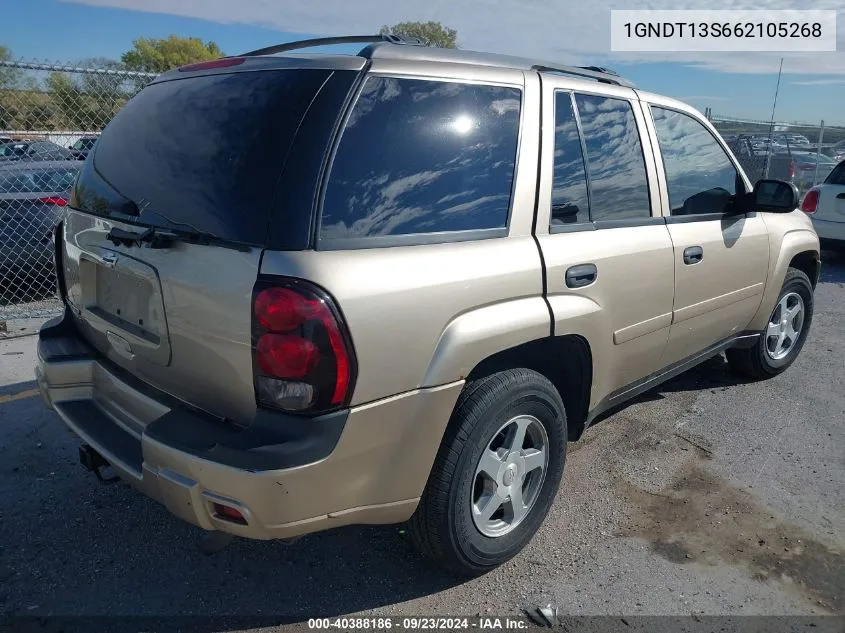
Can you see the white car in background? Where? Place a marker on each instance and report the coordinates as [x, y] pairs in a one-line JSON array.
[[825, 204]]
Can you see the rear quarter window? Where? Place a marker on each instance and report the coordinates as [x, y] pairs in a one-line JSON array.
[[419, 157]]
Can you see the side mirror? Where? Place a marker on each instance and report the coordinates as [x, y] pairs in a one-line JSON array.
[[775, 196]]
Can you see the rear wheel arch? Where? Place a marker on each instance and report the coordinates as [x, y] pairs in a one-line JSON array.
[[566, 361]]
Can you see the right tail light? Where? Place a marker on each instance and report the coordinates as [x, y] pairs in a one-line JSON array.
[[303, 360], [810, 203]]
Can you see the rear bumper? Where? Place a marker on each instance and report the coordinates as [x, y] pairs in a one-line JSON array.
[[285, 474]]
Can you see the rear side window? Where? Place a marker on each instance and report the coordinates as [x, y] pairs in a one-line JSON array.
[[421, 157], [618, 182], [202, 153], [569, 191], [837, 176]]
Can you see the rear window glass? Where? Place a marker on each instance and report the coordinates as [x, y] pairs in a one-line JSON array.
[[420, 156], [202, 153], [42, 181]]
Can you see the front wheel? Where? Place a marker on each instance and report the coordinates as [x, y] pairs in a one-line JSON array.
[[783, 337], [496, 474]]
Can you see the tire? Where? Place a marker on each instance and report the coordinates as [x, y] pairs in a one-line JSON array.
[[759, 362], [487, 416]]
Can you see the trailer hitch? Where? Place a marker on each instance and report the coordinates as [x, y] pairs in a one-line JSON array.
[[93, 462]]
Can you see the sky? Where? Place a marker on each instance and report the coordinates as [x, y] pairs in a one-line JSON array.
[[733, 84]]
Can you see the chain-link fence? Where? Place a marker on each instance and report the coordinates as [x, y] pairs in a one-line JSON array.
[[50, 118], [802, 153]]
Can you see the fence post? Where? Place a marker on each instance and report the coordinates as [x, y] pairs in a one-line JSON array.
[[818, 153]]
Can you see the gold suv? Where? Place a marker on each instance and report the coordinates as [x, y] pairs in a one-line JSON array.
[[306, 291]]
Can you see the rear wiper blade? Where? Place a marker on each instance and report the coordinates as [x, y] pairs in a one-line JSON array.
[[156, 238]]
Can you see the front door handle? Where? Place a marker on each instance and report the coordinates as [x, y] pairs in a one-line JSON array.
[[693, 255], [841, 196], [581, 275]]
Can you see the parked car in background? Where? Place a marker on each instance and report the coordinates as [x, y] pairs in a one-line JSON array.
[[835, 151], [765, 145], [33, 151], [811, 168], [32, 201], [792, 139], [825, 204], [81, 148]]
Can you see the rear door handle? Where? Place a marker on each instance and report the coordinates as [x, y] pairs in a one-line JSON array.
[[693, 255], [841, 196], [581, 275]]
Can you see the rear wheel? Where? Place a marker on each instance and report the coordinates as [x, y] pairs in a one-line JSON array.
[[496, 473], [783, 337]]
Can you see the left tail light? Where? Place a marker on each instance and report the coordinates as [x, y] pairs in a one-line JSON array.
[[810, 203], [303, 360]]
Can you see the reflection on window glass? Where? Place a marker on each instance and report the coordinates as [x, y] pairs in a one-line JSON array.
[[700, 176], [618, 183], [423, 156], [569, 191]]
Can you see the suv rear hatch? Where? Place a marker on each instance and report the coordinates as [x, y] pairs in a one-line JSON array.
[[193, 178]]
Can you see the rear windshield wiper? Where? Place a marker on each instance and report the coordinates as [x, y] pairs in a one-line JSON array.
[[156, 238]]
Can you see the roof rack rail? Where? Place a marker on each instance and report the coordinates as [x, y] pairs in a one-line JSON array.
[[326, 41], [590, 72]]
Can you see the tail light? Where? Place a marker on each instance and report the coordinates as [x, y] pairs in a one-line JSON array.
[[302, 354], [55, 200], [811, 201], [791, 169]]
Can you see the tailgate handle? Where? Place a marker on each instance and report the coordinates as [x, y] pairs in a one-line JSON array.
[[581, 275]]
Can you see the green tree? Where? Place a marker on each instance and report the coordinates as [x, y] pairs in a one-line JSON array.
[[432, 33], [158, 55], [8, 76], [89, 101]]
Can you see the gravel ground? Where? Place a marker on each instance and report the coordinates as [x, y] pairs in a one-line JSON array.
[[706, 496]]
